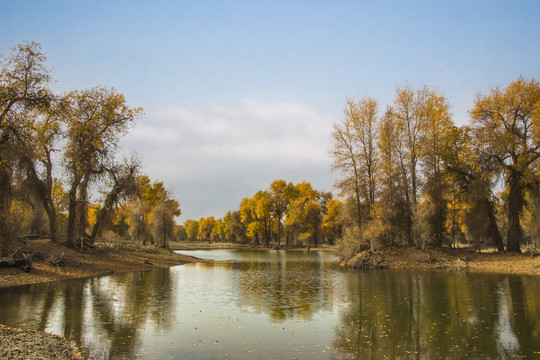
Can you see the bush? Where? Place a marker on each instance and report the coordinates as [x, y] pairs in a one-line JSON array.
[[351, 244]]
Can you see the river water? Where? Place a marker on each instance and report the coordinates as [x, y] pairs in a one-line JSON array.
[[285, 305]]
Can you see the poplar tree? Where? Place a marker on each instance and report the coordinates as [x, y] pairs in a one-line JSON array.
[[23, 88], [95, 121], [506, 126]]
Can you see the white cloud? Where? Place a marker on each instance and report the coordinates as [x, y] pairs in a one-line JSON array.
[[213, 158]]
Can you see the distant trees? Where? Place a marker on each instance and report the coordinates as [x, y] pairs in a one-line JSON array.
[[410, 176], [415, 178], [162, 220], [303, 215], [85, 128], [192, 229], [152, 212]]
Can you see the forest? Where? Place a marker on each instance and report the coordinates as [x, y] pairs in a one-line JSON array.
[[408, 176], [62, 173]]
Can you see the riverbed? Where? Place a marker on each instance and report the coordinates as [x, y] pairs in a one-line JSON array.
[[284, 305]]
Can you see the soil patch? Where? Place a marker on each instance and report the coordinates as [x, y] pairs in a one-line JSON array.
[[446, 259], [19, 344], [55, 262]]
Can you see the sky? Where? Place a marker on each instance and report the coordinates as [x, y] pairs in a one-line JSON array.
[[237, 94]]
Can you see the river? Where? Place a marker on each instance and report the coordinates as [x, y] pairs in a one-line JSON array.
[[251, 304]]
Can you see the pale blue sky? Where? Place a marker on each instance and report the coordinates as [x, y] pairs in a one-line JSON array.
[[238, 93]]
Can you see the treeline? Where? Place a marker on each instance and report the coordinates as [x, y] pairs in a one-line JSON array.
[[410, 176], [76, 134], [284, 215]]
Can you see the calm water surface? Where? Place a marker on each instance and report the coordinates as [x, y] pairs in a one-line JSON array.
[[285, 305]]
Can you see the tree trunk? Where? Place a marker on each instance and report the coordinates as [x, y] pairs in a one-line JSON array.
[[23, 264], [72, 209], [112, 197], [43, 190], [53, 221], [267, 233], [358, 205], [51, 209], [515, 206], [5, 204], [278, 229], [493, 227], [82, 208]]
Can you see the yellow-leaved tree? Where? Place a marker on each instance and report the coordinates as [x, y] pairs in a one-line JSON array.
[[95, 120], [506, 128]]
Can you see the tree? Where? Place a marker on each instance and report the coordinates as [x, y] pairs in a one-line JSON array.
[[472, 179], [192, 229], [345, 154], [234, 229], [409, 110], [506, 125], [436, 134], [218, 231], [255, 215], [141, 207], [332, 225], [394, 198], [304, 217], [365, 124], [206, 226], [139, 228], [280, 198], [95, 121], [162, 220], [36, 141], [23, 88], [124, 184], [181, 233]]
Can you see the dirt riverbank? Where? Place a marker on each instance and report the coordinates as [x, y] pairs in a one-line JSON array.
[[53, 262], [411, 258], [19, 344]]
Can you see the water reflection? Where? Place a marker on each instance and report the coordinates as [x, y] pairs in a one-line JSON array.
[[280, 304], [102, 314], [440, 315]]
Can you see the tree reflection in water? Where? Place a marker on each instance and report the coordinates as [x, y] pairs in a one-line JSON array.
[[439, 315], [102, 314], [281, 304]]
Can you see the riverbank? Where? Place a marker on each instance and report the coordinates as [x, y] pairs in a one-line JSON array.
[[53, 262], [20, 344], [410, 258], [200, 245]]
